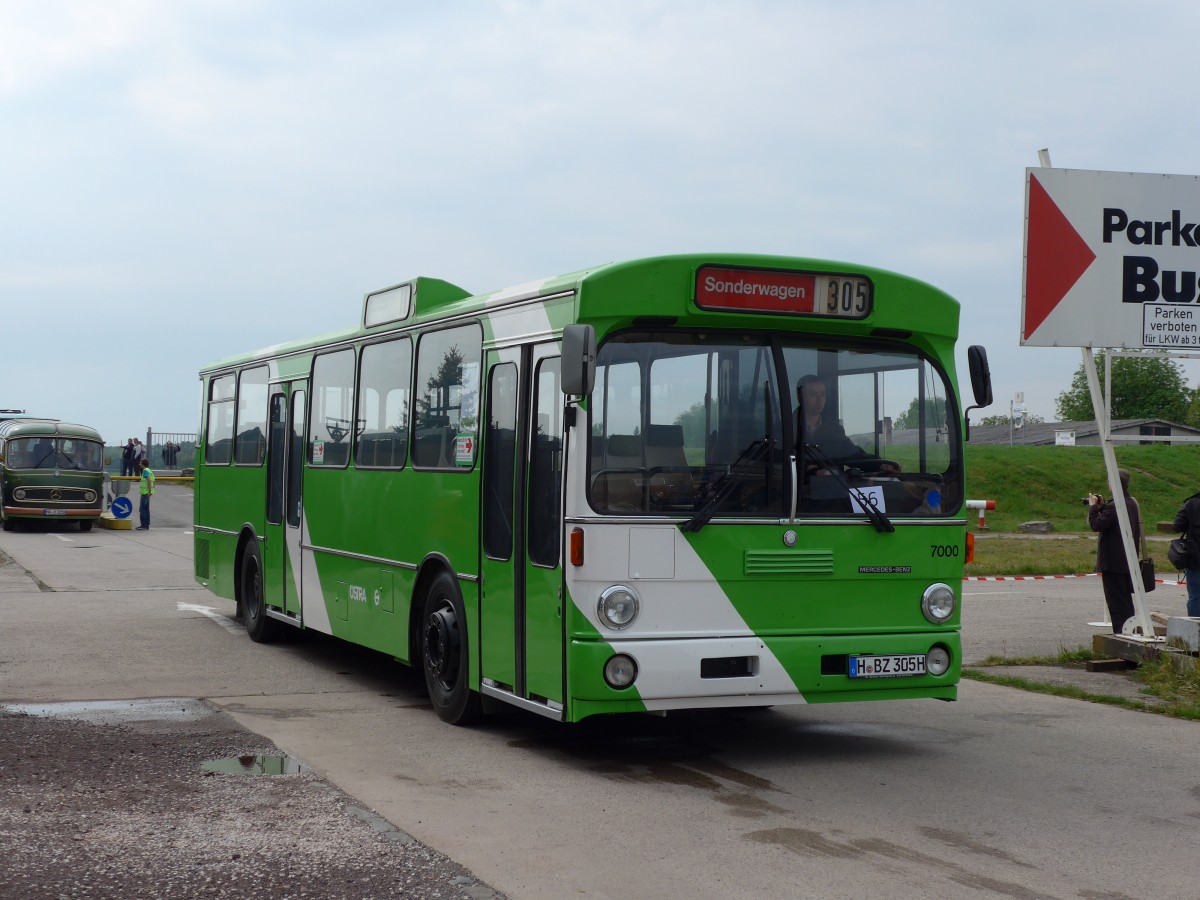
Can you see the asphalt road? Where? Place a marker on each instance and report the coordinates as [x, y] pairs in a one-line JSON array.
[[1003, 794]]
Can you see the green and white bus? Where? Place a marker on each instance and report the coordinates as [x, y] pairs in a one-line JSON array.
[[596, 493], [50, 471]]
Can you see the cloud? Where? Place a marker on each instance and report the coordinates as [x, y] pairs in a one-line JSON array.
[[256, 166]]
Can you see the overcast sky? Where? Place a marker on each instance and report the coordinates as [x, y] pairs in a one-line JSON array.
[[184, 181]]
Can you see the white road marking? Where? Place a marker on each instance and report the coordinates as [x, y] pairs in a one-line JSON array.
[[224, 621]]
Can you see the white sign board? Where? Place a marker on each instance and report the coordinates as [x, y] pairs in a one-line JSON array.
[[1111, 260], [1064, 438], [873, 495]]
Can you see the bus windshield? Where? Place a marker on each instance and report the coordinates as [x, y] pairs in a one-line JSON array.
[[55, 453], [707, 422]]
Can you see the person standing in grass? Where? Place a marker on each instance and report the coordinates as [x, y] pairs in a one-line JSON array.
[[1187, 522], [147, 491], [1110, 552]]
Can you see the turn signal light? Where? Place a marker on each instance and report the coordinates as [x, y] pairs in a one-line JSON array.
[[577, 546], [970, 547]]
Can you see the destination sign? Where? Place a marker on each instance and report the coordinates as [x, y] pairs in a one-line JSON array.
[[781, 291]]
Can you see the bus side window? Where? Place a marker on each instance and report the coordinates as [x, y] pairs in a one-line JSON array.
[[385, 370], [446, 404]]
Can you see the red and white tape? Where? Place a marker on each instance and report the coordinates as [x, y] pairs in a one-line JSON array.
[[1047, 578]]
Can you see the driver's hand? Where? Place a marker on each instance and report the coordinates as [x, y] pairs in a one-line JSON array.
[[890, 468]]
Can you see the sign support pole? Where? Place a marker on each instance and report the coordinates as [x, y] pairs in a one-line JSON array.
[[1141, 616]]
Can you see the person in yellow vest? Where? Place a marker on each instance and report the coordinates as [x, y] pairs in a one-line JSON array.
[[147, 491]]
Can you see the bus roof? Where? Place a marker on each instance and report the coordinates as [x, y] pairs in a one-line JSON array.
[[31, 427], [662, 286]]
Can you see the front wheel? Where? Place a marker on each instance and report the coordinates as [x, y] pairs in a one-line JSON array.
[[85, 525], [261, 628], [444, 655]]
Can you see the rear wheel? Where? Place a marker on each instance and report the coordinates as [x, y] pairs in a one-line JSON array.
[[444, 654], [261, 628]]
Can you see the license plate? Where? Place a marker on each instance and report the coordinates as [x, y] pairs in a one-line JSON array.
[[894, 666], [54, 512]]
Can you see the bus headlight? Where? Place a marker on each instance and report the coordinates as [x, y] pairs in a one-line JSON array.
[[19, 493], [89, 496], [937, 660], [618, 607], [620, 671], [937, 603]]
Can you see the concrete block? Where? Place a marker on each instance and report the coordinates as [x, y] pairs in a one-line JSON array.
[[1109, 665], [108, 520], [1183, 634], [1036, 527]]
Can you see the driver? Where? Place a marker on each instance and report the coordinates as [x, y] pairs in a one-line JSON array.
[[812, 428]]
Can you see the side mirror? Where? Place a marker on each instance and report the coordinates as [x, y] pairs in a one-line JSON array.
[[578, 359], [981, 383], [981, 376]]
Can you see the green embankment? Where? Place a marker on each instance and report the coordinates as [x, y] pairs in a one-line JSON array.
[[1046, 484]]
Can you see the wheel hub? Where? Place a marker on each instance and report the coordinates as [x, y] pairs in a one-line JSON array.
[[441, 645]]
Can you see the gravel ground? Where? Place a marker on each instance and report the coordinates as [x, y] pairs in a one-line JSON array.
[[120, 805]]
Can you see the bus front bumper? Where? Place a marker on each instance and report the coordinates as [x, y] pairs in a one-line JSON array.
[[692, 673]]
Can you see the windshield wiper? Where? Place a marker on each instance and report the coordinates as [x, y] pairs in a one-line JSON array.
[[725, 485], [881, 522]]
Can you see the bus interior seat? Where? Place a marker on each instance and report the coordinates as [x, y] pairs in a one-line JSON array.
[[664, 449], [664, 445], [336, 454], [371, 451], [617, 483], [434, 448], [623, 451]]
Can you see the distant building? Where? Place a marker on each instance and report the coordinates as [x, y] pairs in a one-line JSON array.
[[1086, 434]]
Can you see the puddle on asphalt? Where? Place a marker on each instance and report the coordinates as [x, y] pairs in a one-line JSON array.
[[256, 764], [109, 712]]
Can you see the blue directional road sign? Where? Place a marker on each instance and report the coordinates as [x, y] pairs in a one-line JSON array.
[[122, 507]]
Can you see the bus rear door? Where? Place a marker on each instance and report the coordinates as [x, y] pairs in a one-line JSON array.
[[285, 448]]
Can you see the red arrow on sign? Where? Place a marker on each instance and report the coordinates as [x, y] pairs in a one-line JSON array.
[[1055, 257]]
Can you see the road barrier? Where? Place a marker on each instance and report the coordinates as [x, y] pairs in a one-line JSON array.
[[982, 506]]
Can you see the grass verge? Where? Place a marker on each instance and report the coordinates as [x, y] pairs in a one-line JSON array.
[[1066, 555], [1175, 692]]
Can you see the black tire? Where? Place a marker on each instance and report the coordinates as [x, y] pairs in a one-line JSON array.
[[444, 654], [85, 525], [261, 628], [9, 523]]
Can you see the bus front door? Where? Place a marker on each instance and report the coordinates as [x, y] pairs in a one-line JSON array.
[[521, 624], [281, 545]]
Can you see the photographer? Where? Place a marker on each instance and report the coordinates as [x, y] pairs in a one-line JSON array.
[[1111, 562]]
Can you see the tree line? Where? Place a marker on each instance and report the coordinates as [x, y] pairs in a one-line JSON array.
[[1147, 385]]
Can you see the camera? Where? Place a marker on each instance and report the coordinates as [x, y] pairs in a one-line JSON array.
[[1088, 499]]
